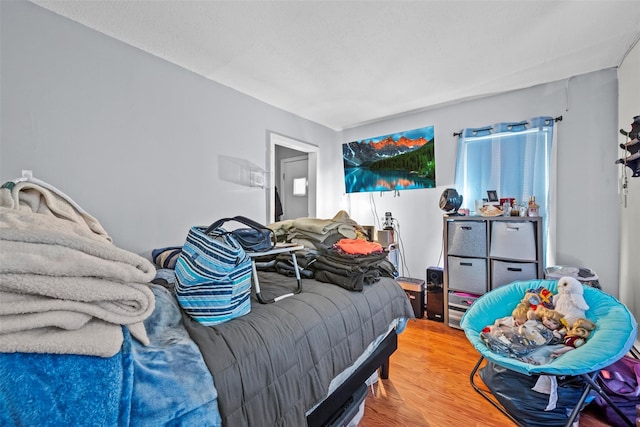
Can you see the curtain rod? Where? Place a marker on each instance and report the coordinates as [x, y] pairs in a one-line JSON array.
[[557, 119]]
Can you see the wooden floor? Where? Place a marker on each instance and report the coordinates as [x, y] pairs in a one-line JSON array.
[[429, 386]]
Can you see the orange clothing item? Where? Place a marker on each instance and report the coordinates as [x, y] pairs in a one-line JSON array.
[[358, 246]]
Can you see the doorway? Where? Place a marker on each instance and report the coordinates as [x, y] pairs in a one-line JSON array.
[[294, 187], [282, 151]]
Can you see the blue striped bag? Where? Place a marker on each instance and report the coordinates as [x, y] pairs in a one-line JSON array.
[[213, 277]]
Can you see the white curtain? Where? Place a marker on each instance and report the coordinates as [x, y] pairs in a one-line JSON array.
[[514, 159]]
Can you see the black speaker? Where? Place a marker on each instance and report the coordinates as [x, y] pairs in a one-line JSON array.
[[434, 294]]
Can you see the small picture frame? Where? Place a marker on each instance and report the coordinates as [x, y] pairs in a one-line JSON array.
[[492, 195]]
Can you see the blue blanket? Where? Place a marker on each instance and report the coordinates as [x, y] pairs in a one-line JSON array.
[[172, 386], [66, 389], [164, 383]]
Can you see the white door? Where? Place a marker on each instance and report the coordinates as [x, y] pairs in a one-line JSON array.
[[294, 187]]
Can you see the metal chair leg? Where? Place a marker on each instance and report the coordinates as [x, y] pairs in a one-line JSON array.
[[591, 380], [578, 407], [590, 384], [487, 396]]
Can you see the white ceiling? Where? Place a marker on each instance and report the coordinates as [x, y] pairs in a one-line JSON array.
[[345, 63]]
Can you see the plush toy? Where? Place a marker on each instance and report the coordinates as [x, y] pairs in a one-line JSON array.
[[577, 335], [539, 296], [569, 300], [532, 299]]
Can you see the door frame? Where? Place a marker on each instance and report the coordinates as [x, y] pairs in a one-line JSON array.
[[275, 139]]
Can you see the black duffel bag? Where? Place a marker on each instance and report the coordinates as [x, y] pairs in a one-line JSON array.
[[256, 238]]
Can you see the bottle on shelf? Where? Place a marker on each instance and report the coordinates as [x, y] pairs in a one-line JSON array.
[[534, 208]]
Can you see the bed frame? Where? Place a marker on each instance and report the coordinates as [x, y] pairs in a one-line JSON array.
[[342, 399]]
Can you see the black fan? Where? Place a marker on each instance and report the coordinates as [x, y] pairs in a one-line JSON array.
[[450, 201]]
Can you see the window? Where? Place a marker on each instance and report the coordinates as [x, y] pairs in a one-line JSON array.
[[512, 158]]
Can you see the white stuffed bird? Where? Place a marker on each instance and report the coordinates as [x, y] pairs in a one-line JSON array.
[[570, 301]]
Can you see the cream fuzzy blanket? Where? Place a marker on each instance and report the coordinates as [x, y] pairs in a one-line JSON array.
[[64, 287], [48, 200]]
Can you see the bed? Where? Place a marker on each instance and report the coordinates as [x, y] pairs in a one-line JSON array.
[[300, 360], [91, 334], [615, 334], [291, 350]]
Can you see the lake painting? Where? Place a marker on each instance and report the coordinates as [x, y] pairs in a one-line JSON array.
[[399, 161]]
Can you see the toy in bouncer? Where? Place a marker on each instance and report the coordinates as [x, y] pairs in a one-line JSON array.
[[578, 333], [582, 358], [570, 300]]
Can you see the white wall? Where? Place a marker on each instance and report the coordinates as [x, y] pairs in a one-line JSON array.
[[145, 146], [138, 142], [587, 222], [629, 107]]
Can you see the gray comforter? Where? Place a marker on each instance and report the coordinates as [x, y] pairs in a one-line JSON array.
[[273, 364]]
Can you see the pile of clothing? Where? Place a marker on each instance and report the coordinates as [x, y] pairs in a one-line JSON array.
[[283, 263], [317, 233], [336, 251], [352, 263], [65, 288]]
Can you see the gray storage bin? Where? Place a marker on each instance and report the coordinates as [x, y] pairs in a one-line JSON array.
[[455, 315], [503, 273], [467, 274], [467, 238], [513, 240]]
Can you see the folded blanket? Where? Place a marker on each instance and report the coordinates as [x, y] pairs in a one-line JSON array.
[[307, 243], [112, 302], [281, 227], [66, 390], [323, 226], [39, 197], [310, 231], [28, 227], [332, 235], [60, 261], [95, 338], [65, 288]]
